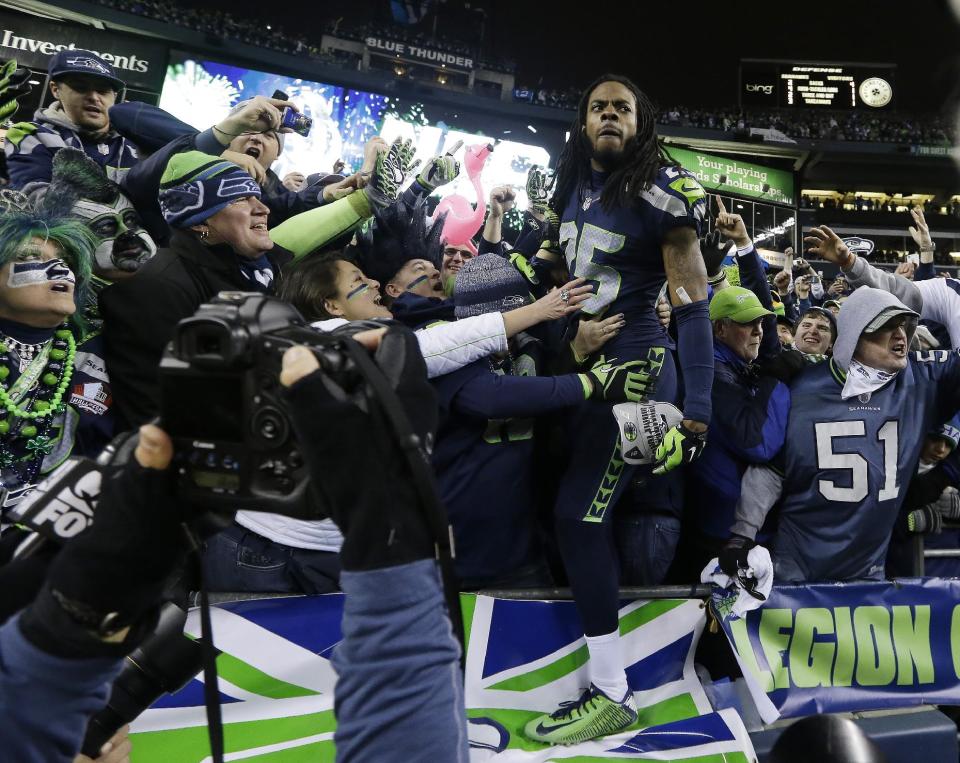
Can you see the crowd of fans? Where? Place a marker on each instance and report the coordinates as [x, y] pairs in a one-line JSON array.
[[120, 221], [809, 124], [223, 25], [799, 124], [858, 203]]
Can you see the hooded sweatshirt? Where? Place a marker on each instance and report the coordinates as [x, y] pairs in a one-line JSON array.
[[848, 462], [30, 147]]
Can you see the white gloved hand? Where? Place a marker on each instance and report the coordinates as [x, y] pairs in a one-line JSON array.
[[730, 597]]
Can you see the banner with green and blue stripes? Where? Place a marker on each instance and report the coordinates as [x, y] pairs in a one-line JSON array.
[[276, 685]]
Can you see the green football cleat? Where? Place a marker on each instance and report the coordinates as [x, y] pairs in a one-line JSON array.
[[593, 715]]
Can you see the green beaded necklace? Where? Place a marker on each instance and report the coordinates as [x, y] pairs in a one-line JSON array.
[[30, 405], [41, 408]]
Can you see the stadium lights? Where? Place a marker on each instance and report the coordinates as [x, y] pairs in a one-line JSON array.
[[531, 128], [776, 230]]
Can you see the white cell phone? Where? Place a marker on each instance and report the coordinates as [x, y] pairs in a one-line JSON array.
[[914, 258]]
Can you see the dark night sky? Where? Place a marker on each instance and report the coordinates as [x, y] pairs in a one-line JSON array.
[[684, 51]]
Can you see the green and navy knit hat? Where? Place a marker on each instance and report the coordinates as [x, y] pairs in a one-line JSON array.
[[196, 186]]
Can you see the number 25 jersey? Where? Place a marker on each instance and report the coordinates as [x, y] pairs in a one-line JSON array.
[[620, 252]]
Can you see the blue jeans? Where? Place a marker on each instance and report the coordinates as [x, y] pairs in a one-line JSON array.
[[46, 700], [399, 689], [646, 544], [239, 559]]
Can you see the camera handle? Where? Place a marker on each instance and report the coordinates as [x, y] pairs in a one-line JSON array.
[[423, 482]]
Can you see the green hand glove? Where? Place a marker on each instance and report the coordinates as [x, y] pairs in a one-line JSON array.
[[625, 383], [13, 85], [522, 264], [539, 185], [389, 172], [439, 171], [679, 446], [551, 233]]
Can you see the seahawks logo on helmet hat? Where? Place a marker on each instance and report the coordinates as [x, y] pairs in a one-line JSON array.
[[859, 246], [83, 62]]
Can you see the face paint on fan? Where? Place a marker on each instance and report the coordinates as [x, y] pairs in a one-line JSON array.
[[361, 289], [123, 244], [32, 273], [416, 282]]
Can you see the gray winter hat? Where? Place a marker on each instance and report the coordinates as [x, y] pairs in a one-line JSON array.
[[863, 312], [489, 284]]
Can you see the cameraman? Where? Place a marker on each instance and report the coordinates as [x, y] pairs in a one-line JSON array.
[[397, 665], [59, 655]]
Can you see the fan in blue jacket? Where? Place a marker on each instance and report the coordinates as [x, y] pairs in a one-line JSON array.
[[750, 409]]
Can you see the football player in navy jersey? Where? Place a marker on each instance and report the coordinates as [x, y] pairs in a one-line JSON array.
[[629, 220]]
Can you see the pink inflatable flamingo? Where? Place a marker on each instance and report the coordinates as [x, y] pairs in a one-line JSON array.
[[463, 221]]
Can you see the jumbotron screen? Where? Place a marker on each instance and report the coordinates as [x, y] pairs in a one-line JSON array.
[[202, 92], [782, 84]]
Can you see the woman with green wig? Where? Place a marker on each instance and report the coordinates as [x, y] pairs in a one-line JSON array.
[[54, 392]]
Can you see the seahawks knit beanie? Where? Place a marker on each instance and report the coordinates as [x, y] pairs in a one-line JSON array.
[[486, 284], [196, 186]]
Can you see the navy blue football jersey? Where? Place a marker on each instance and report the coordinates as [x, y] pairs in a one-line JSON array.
[[848, 464], [620, 251], [484, 464]]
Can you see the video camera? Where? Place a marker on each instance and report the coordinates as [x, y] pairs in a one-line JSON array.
[[221, 403]]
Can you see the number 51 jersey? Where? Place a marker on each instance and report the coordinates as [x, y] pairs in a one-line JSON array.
[[620, 252], [848, 463]]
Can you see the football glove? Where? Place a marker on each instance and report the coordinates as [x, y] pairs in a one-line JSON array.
[[629, 382], [13, 85], [389, 172], [539, 186], [680, 446], [713, 249], [439, 171]]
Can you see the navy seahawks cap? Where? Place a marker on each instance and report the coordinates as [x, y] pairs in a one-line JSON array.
[[84, 62]]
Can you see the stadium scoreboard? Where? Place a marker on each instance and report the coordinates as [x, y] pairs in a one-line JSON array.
[[816, 84]]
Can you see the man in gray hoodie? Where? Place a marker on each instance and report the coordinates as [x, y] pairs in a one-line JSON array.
[[84, 87], [854, 435]]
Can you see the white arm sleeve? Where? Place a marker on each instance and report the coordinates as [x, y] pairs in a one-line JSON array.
[[449, 346], [941, 303], [760, 490]]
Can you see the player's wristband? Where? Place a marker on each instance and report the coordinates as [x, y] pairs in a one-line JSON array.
[[588, 388]]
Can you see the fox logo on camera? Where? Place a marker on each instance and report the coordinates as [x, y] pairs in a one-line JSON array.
[[62, 506]]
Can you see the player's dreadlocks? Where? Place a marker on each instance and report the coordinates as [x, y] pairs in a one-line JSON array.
[[642, 155]]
